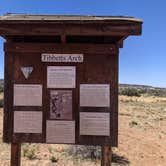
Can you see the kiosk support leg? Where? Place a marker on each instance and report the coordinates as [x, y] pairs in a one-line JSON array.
[[106, 156], [15, 154]]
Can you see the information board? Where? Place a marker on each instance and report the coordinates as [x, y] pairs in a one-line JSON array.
[[63, 97]]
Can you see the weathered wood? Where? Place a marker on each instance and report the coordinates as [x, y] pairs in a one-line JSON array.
[[101, 70], [15, 154], [60, 48], [70, 29], [120, 42], [8, 97], [63, 39], [106, 157], [114, 99], [100, 66], [97, 39]]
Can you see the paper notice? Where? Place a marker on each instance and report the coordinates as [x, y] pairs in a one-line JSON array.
[[27, 122], [92, 123], [61, 104], [60, 132], [27, 95], [61, 76], [94, 95]]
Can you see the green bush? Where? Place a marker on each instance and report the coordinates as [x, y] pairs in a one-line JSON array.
[[157, 92], [130, 92]]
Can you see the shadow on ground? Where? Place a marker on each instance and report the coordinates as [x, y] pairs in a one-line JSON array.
[[120, 160]]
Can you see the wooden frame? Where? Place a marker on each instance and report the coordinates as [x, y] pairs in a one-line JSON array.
[[30, 54]]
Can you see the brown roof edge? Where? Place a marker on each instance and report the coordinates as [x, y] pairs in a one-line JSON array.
[[51, 25], [30, 17]]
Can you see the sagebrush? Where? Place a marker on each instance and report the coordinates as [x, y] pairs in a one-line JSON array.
[[130, 92]]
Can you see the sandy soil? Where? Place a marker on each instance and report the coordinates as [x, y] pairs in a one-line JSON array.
[[142, 130], [142, 139], [1, 96]]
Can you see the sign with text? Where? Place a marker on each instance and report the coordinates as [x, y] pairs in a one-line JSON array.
[[94, 123], [59, 97], [61, 76], [94, 95], [62, 58], [27, 122], [27, 95], [60, 132]]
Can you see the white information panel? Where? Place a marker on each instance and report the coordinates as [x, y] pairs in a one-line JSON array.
[[94, 95], [93, 123], [60, 132], [27, 95], [61, 76], [27, 122]]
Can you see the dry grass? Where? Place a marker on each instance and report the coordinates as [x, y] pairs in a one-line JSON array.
[[1, 96], [142, 139], [145, 99]]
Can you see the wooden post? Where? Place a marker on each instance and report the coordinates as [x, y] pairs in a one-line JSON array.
[[106, 156], [15, 154]]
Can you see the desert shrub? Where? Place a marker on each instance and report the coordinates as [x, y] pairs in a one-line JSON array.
[[53, 159], [157, 92], [133, 123], [85, 152], [1, 88], [143, 91], [130, 92], [29, 152], [1, 102]]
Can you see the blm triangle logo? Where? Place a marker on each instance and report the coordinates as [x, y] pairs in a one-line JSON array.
[[26, 71]]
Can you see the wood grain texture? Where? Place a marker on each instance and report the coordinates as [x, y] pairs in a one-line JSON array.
[[15, 154], [60, 48], [8, 96], [100, 66], [106, 156], [99, 29]]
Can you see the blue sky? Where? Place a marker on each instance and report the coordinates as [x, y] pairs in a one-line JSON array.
[[143, 58]]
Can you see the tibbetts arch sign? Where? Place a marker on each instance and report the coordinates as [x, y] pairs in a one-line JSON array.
[[61, 77]]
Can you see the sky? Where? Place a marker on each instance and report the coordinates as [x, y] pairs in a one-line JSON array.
[[142, 58]]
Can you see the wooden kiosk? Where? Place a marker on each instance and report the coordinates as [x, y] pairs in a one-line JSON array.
[[61, 79]]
